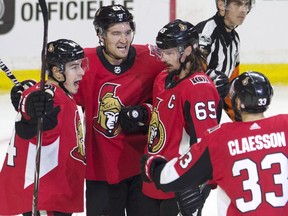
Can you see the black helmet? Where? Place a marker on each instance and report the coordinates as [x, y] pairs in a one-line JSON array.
[[107, 15], [61, 51], [177, 33], [254, 91]]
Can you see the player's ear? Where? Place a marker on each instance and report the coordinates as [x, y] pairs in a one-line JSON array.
[[101, 37], [187, 52], [238, 103], [221, 6], [57, 74]]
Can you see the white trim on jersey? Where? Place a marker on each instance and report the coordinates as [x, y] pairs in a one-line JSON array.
[[223, 202], [169, 173], [48, 161]]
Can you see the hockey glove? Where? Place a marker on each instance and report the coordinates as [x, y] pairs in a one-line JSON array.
[[38, 103], [220, 80], [148, 165], [191, 200], [15, 93], [133, 119]]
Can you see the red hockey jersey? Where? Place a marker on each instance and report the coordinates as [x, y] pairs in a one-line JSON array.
[[248, 160], [62, 167], [182, 112], [111, 155]]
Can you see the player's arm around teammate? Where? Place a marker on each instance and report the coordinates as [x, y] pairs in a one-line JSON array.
[[234, 154], [185, 104], [121, 75]]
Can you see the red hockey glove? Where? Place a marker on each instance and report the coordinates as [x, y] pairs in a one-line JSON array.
[[148, 165]]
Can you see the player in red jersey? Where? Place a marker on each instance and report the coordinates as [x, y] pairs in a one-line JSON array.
[[62, 167], [248, 159], [185, 104], [120, 75]]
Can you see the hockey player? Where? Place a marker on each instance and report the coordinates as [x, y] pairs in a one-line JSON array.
[[185, 104], [221, 44], [120, 75], [62, 168], [248, 159]]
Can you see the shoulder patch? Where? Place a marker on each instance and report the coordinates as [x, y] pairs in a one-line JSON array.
[[198, 79], [211, 130]]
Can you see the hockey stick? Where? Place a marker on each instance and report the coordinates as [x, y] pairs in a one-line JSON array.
[[11, 76], [44, 10]]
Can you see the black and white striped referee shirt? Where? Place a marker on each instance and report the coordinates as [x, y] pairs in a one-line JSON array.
[[222, 46]]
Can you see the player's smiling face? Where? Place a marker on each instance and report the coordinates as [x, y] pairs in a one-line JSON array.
[[73, 74], [118, 39], [170, 57]]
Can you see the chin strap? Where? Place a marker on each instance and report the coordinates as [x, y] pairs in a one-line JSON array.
[[61, 83], [108, 53], [182, 67], [177, 72]]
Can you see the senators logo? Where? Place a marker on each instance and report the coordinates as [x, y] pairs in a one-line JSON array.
[[156, 132], [106, 122], [78, 152]]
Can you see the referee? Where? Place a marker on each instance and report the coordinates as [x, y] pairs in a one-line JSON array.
[[219, 40]]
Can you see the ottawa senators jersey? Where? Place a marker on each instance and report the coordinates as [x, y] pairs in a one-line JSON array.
[[248, 160], [182, 112], [105, 89], [62, 165]]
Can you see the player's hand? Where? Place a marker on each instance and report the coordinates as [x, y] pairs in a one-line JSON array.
[[220, 80], [191, 200], [133, 119], [38, 103], [148, 165], [15, 93]]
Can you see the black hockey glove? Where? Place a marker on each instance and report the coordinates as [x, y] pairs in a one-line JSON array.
[[220, 80], [39, 103], [148, 165], [133, 119], [191, 200], [15, 93]]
